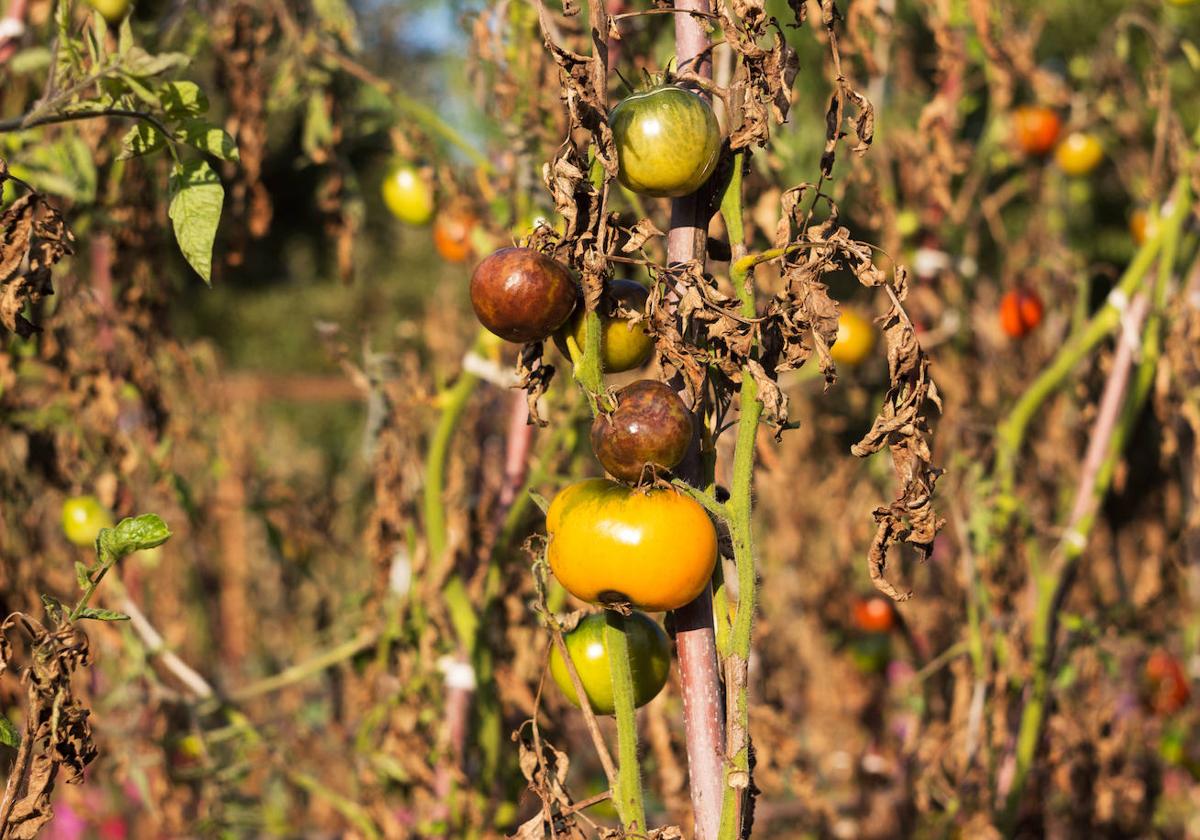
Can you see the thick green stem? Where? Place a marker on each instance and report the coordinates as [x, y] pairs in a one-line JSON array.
[[628, 795], [740, 511]]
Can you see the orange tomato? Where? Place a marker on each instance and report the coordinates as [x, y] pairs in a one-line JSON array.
[[855, 338], [874, 615], [1079, 153], [609, 543], [1020, 312], [1036, 128], [1141, 226], [1166, 686], [452, 235]]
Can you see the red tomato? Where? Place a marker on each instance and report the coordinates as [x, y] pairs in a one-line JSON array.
[[1166, 686], [1036, 128], [1020, 312], [874, 615]]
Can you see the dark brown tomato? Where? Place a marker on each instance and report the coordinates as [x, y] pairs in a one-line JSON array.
[[650, 425], [522, 295]]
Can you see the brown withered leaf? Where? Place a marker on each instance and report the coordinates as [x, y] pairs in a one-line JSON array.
[[901, 426], [535, 377], [33, 237], [639, 235], [762, 90]]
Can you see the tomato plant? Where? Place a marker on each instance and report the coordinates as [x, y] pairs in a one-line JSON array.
[[1020, 312], [82, 519], [623, 344], [874, 614], [650, 426], [452, 235], [855, 338], [1164, 683], [649, 661], [1079, 153], [609, 543], [522, 295], [668, 141], [408, 194], [1036, 129]]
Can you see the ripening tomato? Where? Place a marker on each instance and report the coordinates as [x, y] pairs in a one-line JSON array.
[[1166, 687], [649, 661], [1079, 153], [408, 194], [609, 543], [855, 338], [522, 295], [452, 235], [1036, 128], [82, 519], [651, 425], [624, 346], [113, 11], [1142, 226], [668, 141], [874, 614], [1020, 312]]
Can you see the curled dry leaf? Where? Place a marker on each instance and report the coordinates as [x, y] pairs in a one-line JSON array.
[[33, 237], [535, 377], [57, 737], [762, 89], [901, 426]]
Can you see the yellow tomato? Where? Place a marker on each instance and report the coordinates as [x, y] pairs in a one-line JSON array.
[[609, 543], [624, 346], [82, 519], [408, 194], [1079, 153], [855, 338]]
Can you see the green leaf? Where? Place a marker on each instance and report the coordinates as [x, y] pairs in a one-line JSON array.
[[142, 139], [102, 615], [134, 533], [318, 130], [195, 211], [182, 99], [138, 62], [32, 60], [207, 137], [83, 575], [540, 501], [141, 90], [9, 734]]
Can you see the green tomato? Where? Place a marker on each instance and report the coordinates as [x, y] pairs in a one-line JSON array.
[[668, 141], [113, 11], [408, 194], [649, 661], [82, 519]]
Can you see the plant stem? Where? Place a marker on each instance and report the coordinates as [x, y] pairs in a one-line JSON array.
[[628, 795], [737, 773]]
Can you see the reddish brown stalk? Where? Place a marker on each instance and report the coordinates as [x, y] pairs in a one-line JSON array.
[[703, 709]]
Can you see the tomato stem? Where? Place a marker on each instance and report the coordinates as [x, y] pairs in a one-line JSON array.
[[628, 793]]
